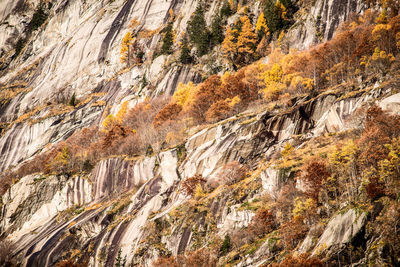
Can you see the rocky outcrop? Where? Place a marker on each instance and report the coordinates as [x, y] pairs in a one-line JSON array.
[[111, 206], [341, 230], [321, 21]]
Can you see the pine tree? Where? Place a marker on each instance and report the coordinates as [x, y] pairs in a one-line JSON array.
[[275, 12], [226, 10], [72, 102], [119, 261], [185, 56], [38, 18], [217, 31], [198, 32], [168, 40]]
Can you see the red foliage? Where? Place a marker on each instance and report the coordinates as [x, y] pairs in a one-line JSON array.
[[70, 263], [262, 223], [293, 231], [201, 258], [190, 184], [166, 262], [380, 128], [313, 174], [302, 260]]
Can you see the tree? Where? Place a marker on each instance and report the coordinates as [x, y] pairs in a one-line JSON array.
[[183, 93], [229, 45], [119, 261], [168, 40], [185, 57], [126, 48], [38, 18], [72, 101], [247, 40], [262, 223], [314, 174], [218, 111], [169, 112], [275, 12], [273, 79], [226, 10], [261, 27], [198, 32], [226, 245], [217, 32], [190, 184]]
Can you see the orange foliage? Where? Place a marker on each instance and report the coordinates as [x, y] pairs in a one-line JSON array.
[[218, 111], [168, 112]]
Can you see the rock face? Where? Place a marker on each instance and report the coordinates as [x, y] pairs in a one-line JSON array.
[[341, 230], [149, 185], [322, 20], [77, 52]]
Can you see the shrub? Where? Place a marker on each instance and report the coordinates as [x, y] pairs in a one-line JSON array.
[[262, 223], [218, 111], [168, 112], [313, 174], [166, 262], [190, 184], [302, 260]]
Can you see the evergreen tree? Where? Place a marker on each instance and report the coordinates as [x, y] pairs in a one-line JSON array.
[[119, 261], [217, 31], [72, 101], [226, 10], [185, 56], [168, 40], [279, 14], [226, 245], [38, 18], [275, 14], [198, 32]]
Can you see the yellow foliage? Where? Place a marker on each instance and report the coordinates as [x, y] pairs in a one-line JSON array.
[[234, 101], [127, 42], [199, 193], [282, 8], [382, 18], [262, 24], [398, 40], [287, 150], [301, 208], [182, 93], [134, 22], [122, 112], [108, 122], [273, 82]]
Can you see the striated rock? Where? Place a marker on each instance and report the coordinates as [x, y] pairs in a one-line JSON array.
[[341, 229]]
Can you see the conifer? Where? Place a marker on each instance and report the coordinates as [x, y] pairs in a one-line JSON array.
[[198, 32], [168, 40]]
